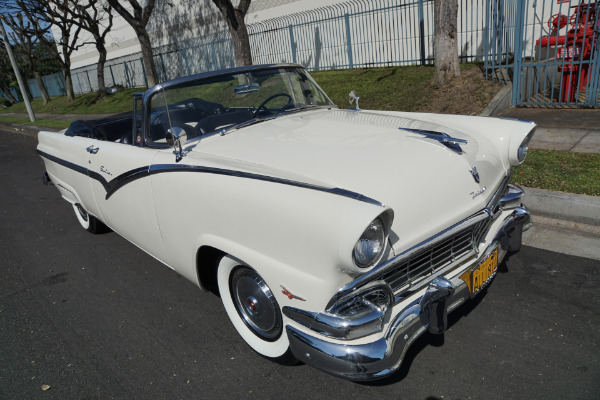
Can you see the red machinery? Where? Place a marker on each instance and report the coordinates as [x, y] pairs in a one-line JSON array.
[[577, 46]]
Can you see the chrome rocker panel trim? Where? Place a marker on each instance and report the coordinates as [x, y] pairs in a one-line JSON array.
[[428, 313]]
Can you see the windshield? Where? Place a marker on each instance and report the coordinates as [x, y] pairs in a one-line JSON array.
[[216, 104]]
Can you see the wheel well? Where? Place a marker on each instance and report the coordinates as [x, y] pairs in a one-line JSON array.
[[207, 262]]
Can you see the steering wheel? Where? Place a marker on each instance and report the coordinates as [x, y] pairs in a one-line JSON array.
[[268, 99]]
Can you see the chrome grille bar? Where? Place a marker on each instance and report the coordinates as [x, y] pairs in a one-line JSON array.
[[432, 258]]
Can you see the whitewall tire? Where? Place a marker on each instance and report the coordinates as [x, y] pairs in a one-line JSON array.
[[252, 309], [87, 221]]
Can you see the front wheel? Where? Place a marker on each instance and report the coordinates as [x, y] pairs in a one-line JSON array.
[[253, 309]]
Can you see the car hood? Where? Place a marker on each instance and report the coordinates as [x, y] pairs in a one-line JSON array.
[[426, 183]]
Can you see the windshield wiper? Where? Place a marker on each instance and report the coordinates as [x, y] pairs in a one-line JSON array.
[[302, 108], [244, 124]]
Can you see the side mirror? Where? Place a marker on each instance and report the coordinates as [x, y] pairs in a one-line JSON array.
[[351, 97], [176, 137]]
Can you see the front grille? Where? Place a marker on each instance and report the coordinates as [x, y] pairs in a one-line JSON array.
[[434, 258]]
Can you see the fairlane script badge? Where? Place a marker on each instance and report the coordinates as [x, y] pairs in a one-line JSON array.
[[477, 193], [105, 170], [290, 295]]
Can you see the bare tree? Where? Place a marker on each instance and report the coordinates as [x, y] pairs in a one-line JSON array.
[[444, 43], [237, 28], [25, 41], [138, 21], [90, 16], [6, 74], [55, 12]]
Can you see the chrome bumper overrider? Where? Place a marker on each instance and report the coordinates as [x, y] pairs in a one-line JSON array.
[[375, 360]]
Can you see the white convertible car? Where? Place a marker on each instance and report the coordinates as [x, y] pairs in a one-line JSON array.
[[334, 236]]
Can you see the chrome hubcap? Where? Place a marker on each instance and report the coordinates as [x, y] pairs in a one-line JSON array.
[[256, 304]]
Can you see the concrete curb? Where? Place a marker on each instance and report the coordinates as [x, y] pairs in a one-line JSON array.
[[501, 102], [562, 139], [563, 206], [24, 130]]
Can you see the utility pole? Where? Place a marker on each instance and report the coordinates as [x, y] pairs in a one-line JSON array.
[[17, 73]]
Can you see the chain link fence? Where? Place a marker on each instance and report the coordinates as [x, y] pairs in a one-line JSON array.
[[356, 33]]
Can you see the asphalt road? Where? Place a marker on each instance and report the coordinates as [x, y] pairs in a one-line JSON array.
[[92, 316]]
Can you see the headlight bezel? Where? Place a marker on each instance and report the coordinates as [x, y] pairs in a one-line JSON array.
[[374, 236], [519, 153]]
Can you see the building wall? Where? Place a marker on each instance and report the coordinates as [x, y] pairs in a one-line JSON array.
[[179, 20]]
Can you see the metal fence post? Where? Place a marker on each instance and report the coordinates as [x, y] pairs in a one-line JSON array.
[[126, 74], [349, 41], [87, 73], [486, 40], [518, 63], [79, 83], [185, 60], [144, 72], [293, 44], [112, 75], [214, 54], [422, 31], [162, 62]]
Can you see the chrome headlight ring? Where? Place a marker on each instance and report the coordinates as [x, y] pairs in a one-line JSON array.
[[370, 247], [518, 155]]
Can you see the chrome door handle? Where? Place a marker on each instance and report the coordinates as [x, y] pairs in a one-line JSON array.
[[92, 150]]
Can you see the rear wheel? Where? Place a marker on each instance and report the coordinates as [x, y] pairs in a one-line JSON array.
[[253, 309], [87, 221]]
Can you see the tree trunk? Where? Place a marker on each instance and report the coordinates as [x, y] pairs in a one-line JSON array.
[[7, 93], [42, 86], [101, 61], [241, 42], [444, 43], [149, 66], [68, 83]]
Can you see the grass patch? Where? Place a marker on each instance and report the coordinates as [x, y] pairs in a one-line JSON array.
[[560, 171], [409, 88], [46, 123], [390, 88], [122, 101]]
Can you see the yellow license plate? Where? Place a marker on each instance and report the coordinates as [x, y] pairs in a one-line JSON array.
[[476, 279]]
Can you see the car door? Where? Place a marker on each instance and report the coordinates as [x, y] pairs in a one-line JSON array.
[[119, 176]]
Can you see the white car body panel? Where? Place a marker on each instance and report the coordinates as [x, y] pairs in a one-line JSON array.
[[290, 196]]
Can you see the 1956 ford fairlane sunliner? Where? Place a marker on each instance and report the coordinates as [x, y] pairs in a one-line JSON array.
[[333, 236]]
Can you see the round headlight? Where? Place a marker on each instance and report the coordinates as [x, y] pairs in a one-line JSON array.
[[369, 248], [522, 152], [517, 154]]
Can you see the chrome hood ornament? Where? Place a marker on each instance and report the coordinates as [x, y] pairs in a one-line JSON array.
[[445, 139], [475, 174]]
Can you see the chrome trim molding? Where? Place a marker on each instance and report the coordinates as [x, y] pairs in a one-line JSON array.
[[142, 172], [445, 139], [511, 198], [354, 326], [384, 355]]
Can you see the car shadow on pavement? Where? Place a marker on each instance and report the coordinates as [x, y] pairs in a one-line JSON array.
[[435, 340]]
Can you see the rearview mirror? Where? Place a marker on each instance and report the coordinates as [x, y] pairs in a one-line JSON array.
[[248, 88], [352, 97], [176, 137]]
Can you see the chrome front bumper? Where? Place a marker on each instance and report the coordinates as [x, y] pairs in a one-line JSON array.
[[375, 360]]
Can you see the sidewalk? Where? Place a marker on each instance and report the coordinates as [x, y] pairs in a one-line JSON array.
[[33, 129], [576, 130]]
